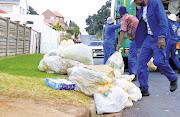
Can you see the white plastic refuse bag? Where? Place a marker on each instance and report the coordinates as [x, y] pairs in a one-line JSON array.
[[78, 52], [55, 64], [115, 100], [133, 91], [116, 61], [135, 94], [87, 81]]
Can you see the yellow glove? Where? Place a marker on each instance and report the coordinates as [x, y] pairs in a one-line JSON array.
[[161, 42]]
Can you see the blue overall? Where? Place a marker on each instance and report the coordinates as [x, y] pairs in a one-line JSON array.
[[171, 47], [132, 58], [160, 26], [109, 40]]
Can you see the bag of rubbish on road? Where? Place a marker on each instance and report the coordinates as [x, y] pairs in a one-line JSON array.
[[78, 52], [56, 64], [133, 91], [151, 65], [59, 84], [116, 62], [112, 101], [87, 79]]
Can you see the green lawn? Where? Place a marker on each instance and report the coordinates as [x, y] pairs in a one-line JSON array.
[[25, 65], [20, 78]]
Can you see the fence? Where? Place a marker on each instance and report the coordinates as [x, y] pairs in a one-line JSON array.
[[14, 38]]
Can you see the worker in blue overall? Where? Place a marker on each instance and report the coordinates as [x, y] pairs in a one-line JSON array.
[[152, 35], [171, 47], [128, 25], [109, 39]]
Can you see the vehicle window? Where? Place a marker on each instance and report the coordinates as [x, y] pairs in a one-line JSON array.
[[96, 44]]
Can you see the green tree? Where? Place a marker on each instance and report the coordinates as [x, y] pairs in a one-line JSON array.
[[96, 21], [58, 27], [74, 29], [32, 11]]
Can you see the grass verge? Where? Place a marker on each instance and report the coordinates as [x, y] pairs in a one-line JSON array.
[[20, 78]]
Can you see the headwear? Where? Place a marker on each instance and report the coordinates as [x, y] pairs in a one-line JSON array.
[[110, 20], [172, 17], [122, 10], [131, 2]]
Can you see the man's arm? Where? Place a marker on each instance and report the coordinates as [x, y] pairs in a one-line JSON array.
[[120, 40]]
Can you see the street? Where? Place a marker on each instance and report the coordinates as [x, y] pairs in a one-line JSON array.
[[160, 103]]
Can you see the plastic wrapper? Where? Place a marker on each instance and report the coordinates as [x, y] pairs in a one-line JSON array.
[[116, 61]]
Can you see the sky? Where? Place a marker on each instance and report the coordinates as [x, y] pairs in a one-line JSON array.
[[74, 10]]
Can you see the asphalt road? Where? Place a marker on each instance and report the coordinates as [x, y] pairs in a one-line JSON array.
[[160, 103]]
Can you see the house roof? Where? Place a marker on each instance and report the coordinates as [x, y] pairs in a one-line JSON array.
[[53, 21], [57, 14], [1, 11], [9, 1]]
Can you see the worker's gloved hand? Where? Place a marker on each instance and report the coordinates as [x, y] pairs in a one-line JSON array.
[[117, 48], [161, 42]]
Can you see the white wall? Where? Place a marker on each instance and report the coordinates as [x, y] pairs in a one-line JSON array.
[[49, 40], [23, 5], [15, 7]]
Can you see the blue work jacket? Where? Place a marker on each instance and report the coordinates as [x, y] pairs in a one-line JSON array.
[[158, 22], [109, 35], [174, 38]]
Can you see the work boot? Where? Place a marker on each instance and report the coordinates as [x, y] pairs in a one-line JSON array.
[[144, 91], [135, 78], [179, 71], [173, 85]]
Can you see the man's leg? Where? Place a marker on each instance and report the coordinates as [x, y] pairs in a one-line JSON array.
[[163, 65], [132, 58], [143, 70], [108, 51], [175, 57]]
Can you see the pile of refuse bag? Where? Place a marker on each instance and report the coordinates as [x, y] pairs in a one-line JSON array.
[[112, 89]]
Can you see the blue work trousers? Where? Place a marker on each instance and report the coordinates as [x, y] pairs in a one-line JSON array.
[[149, 48], [132, 58], [109, 49], [172, 48]]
